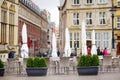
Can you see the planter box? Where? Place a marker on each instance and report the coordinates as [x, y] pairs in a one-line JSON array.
[[36, 71], [1, 71], [91, 70]]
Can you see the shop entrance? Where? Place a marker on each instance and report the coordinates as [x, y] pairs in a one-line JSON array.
[[118, 48]]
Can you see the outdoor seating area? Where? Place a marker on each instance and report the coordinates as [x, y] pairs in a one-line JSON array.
[[62, 65], [109, 63]]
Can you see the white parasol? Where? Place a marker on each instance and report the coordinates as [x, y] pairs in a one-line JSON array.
[[24, 48], [84, 47], [67, 43], [94, 49]]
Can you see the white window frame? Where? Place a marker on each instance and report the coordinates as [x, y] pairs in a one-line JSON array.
[[89, 1], [118, 3], [89, 18], [76, 38], [75, 2], [106, 39], [118, 22], [101, 1], [97, 39], [102, 18], [71, 40], [76, 20]]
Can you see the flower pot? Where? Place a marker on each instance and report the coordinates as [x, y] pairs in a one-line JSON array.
[[36, 71], [1, 71], [90, 70]]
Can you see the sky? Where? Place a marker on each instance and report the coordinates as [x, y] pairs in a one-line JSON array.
[[51, 6]]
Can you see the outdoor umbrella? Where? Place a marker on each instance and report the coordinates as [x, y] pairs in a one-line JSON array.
[[84, 47], [94, 49], [67, 43], [24, 48]]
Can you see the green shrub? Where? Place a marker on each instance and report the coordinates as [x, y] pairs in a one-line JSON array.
[[95, 60], [1, 64], [43, 62], [36, 62], [88, 60], [29, 62]]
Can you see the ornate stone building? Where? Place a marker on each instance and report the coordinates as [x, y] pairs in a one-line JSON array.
[[8, 24], [37, 26], [96, 14], [13, 14]]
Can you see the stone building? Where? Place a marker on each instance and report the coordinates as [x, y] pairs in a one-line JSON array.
[[14, 13], [8, 24], [96, 14], [37, 26]]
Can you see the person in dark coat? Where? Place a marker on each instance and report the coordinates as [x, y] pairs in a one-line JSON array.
[[58, 53], [98, 51]]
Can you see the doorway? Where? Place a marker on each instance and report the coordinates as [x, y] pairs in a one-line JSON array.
[[89, 43], [118, 48]]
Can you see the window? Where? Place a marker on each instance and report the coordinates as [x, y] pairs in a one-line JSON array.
[[70, 40], [102, 18], [3, 26], [102, 1], [88, 18], [11, 28], [75, 18], [89, 1], [118, 22], [106, 38], [75, 2], [118, 2], [88, 35], [76, 39], [97, 38]]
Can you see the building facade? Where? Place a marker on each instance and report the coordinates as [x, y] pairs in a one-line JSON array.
[[8, 24], [37, 26], [97, 16], [116, 4], [13, 14]]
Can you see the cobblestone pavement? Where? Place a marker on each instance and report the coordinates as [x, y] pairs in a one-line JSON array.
[[100, 76]]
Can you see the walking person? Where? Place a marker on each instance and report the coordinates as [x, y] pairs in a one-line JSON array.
[[98, 51], [105, 53]]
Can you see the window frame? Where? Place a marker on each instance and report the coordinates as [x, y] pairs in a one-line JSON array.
[[89, 18], [76, 20], [102, 18]]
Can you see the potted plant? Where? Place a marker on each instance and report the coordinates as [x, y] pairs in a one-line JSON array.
[[88, 65], [36, 67], [1, 68]]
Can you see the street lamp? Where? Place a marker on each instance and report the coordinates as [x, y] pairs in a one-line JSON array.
[[112, 12]]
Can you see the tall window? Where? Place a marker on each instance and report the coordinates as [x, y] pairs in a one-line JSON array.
[[97, 38], [88, 18], [3, 25], [89, 1], [76, 39], [11, 28], [75, 2], [102, 18], [75, 18], [70, 40], [102, 1], [118, 22], [106, 38], [118, 3]]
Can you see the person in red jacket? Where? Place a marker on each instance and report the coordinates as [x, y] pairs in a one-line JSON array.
[[88, 51]]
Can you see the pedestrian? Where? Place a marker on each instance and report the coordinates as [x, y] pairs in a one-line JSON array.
[[88, 51], [58, 53], [98, 51], [105, 53]]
